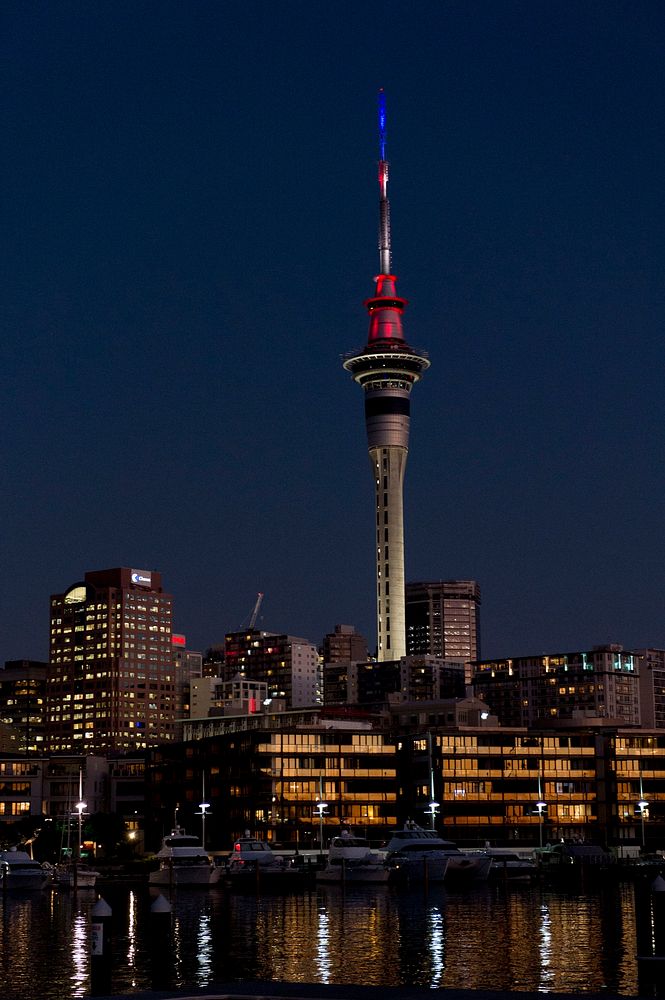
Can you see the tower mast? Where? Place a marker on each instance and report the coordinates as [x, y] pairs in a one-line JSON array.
[[387, 368]]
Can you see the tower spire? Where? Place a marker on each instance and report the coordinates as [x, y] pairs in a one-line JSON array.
[[384, 204]]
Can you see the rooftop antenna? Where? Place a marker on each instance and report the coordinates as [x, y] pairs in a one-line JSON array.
[[384, 204]]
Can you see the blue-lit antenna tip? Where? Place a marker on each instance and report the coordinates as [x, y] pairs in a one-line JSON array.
[[382, 123]]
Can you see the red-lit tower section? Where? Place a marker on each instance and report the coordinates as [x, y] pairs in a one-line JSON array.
[[387, 368]]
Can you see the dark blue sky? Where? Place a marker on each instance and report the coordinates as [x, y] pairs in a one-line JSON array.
[[189, 225]]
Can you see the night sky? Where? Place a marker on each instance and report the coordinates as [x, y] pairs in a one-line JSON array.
[[189, 216]]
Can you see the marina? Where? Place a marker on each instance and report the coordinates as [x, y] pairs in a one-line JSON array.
[[504, 936]]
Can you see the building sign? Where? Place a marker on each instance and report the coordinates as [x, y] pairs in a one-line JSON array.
[[178, 640], [142, 578]]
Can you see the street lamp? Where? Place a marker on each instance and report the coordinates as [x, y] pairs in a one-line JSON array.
[[540, 809], [432, 808], [203, 807], [642, 807], [321, 808]]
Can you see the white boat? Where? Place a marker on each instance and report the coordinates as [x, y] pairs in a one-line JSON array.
[[18, 871], [253, 860], [351, 860], [63, 875], [416, 853], [182, 861], [508, 865]]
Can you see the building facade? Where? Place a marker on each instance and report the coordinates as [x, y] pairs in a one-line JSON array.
[[111, 683], [443, 619], [597, 684]]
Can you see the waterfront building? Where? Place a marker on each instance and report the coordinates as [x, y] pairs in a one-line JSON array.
[[111, 681], [267, 773], [288, 665], [561, 688], [49, 787], [486, 780], [23, 704], [443, 619], [487, 784], [386, 369], [344, 645], [652, 688]]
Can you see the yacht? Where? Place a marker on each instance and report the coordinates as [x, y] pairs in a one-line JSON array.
[[182, 861], [253, 861], [415, 853], [351, 860], [509, 865], [18, 871]]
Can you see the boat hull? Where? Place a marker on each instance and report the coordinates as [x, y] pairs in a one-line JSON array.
[[426, 867], [185, 875]]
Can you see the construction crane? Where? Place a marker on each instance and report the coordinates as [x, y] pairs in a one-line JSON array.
[[255, 613]]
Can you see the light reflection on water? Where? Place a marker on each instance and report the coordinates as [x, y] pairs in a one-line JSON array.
[[504, 938]]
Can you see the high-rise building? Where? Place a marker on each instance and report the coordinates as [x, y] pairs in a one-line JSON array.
[[386, 369], [443, 619], [600, 684], [111, 681], [288, 665]]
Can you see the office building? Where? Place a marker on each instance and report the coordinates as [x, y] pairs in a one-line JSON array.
[[386, 369], [111, 681], [443, 619], [601, 684]]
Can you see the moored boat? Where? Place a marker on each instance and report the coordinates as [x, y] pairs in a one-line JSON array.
[[416, 853], [350, 859], [19, 872], [509, 865], [253, 861], [183, 862], [66, 875]]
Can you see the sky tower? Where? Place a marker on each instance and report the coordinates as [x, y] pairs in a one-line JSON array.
[[387, 368]]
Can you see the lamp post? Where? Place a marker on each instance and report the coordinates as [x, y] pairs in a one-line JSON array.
[[432, 808], [79, 808], [642, 805], [540, 809], [321, 808], [203, 807]]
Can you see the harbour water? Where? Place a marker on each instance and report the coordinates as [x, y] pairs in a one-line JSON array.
[[502, 937]]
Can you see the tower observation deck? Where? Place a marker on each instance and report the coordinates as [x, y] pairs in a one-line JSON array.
[[387, 368]]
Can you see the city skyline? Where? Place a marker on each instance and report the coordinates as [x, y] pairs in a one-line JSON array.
[[190, 226]]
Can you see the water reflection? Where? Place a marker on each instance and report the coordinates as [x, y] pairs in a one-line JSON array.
[[504, 938]]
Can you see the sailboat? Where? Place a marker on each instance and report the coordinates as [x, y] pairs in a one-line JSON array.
[[73, 873]]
